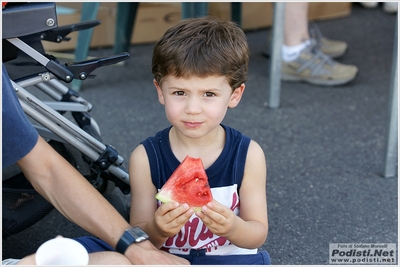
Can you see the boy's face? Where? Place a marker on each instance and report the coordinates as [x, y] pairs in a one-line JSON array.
[[196, 106]]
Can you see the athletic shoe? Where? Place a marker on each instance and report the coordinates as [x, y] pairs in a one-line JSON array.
[[315, 67], [332, 48], [390, 7]]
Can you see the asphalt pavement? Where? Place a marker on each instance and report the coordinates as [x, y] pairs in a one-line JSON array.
[[324, 145]]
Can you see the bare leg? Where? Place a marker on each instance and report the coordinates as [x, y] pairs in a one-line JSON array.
[[296, 23], [28, 260], [108, 258]]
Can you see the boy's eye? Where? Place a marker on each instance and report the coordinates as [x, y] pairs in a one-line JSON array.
[[209, 94], [179, 93]]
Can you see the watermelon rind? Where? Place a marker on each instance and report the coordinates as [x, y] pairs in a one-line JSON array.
[[196, 209], [164, 197]]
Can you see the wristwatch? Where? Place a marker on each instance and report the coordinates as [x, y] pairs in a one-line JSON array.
[[130, 236]]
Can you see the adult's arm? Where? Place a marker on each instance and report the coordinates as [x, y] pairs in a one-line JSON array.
[[62, 185]]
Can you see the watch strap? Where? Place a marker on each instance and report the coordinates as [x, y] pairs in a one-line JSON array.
[[124, 242], [131, 235]]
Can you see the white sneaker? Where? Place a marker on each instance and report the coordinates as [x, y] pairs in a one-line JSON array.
[[390, 7]]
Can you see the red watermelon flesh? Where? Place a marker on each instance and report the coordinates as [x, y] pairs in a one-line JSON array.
[[187, 184]]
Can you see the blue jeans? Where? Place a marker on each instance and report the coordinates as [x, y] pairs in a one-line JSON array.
[[196, 257]]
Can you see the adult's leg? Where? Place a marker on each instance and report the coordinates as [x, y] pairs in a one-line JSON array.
[[28, 260], [108, 258], [296, 23]]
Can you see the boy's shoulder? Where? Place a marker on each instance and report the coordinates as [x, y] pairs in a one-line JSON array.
[[234, 132], [159, 135]]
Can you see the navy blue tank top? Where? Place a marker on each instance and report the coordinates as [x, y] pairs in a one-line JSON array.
[[224, 176]]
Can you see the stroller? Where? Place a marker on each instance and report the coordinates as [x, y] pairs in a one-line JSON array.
[[36, 78]]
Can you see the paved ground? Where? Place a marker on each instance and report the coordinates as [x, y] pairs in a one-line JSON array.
[[324, 146]]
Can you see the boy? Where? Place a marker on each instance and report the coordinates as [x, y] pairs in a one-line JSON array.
[[199, 67]]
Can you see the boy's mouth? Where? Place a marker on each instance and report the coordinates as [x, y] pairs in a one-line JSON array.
[[190, 124]]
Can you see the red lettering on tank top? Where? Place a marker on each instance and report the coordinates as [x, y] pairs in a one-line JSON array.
[[235, 201], [213, 245], [204, 234], [188, 235], [169, 241]]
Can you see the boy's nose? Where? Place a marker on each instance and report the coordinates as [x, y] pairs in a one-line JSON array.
[[193, 105]]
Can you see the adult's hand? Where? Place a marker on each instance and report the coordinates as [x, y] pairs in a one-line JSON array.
[[144, 253]]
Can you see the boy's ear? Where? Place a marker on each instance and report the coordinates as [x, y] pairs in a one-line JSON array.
[[159, 92], [236, 96]]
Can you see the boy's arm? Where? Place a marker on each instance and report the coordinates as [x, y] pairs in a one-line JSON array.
[[253, 201], [143, 191], [250, 228], [159, 223]]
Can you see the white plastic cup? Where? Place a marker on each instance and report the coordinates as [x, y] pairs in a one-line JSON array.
[[61, 251]]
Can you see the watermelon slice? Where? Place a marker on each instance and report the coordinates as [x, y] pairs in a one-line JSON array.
[[187, 184]]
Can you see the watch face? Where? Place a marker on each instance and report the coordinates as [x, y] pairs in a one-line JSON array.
[[138, 234]]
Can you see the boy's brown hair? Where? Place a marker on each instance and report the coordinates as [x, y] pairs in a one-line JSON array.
[[202, 47]]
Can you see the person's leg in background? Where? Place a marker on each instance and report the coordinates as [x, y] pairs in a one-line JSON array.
[[296, 36], [302, 57], [296, 23]]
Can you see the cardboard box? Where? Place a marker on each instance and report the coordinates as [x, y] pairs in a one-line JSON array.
[[258, 15], [153, 19]]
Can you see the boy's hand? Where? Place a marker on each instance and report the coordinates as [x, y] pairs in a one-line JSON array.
[[218, 218], [169, 218]]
